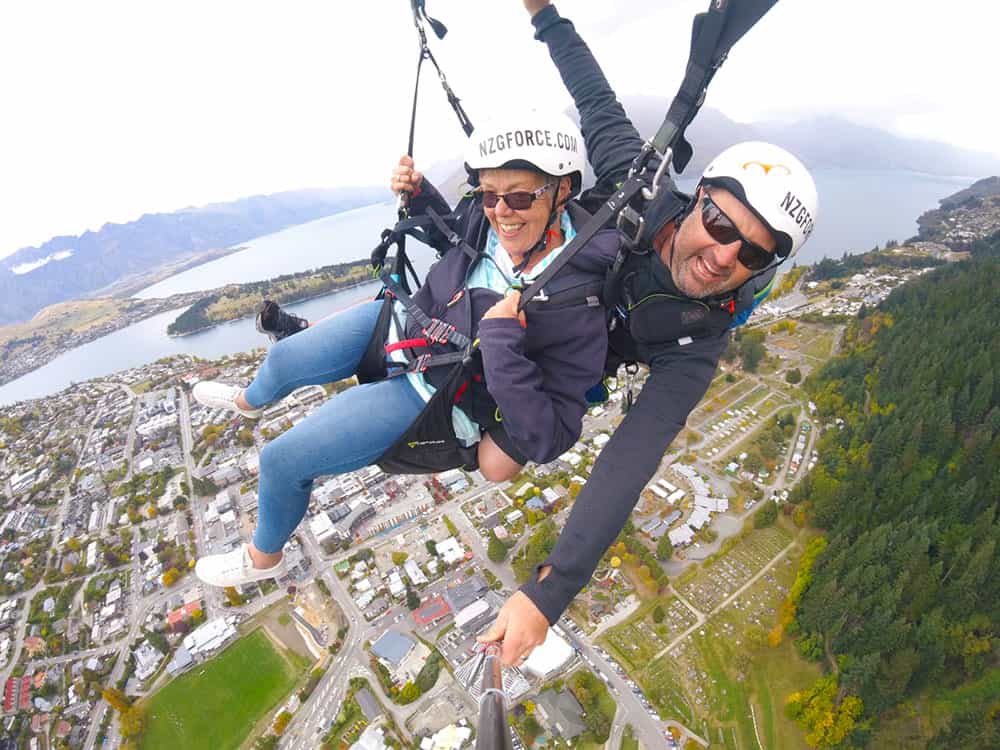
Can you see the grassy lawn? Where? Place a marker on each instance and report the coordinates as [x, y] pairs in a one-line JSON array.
[[629, 742], [818, 343], [216, 704], [777, 673]]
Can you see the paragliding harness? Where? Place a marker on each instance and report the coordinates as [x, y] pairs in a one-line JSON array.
[[447, 354], [655, 315]]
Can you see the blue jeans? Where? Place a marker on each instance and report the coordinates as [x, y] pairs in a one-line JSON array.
[[351, 430]]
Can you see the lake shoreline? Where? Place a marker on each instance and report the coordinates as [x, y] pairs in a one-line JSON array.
[[296, 301]]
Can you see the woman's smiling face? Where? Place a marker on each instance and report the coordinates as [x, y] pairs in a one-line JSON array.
[[520, 230]]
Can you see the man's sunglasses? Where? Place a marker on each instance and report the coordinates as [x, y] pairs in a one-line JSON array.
[[722, 229], [519, 200]]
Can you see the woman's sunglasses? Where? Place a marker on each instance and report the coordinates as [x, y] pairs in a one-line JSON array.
[[722, 229], [520, 200]]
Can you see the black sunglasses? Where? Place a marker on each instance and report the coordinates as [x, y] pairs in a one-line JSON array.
[[722, 229], [519, 200]]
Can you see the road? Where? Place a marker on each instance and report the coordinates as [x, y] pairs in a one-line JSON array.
[[212, 596]]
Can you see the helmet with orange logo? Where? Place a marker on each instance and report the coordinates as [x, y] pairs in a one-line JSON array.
[[774, 185]]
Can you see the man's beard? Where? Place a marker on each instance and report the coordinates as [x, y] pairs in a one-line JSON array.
[[686, 281]]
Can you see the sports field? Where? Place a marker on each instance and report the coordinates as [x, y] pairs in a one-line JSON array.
[[216, 704]]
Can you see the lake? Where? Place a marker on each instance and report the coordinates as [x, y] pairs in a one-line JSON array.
[[858, 209]]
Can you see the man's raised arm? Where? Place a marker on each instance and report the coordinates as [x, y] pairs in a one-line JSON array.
[[611, 139]]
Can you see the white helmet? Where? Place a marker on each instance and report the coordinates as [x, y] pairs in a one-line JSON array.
[[546, 141], [773, 184]]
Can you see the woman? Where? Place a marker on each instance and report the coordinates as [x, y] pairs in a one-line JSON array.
[[526, 400]]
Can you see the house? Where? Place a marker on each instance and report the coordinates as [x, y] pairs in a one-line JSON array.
[[450, 551], [514, 516], [433, 611], [562, 713]]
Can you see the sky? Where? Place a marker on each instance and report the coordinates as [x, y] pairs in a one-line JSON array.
[[114, 109]]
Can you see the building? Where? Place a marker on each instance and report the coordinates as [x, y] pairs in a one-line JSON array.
[[371, 739], [369, 706], [396, 586], [147, 659], [461, 595], [433, 611], [181, 661], [414, 573], [209, 637], [322, 527], [681, 536], [392, 648], [451, 737], [562, 713], [450, 551], [349, 524], [474, 617], [549, 659]]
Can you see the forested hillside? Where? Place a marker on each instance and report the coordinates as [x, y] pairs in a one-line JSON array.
[[905, 599]]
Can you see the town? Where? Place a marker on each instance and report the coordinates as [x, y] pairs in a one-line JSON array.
[[110, 490]]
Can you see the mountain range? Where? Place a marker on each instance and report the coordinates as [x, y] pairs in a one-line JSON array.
[[71, 267], [66, 268]]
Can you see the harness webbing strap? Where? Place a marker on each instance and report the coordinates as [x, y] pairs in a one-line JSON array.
[[437, 331], [713, 33], [405, 344], [599, 220]]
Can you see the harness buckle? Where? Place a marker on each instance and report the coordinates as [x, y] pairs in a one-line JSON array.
[[438, 332], [630, 224], [419, 364]]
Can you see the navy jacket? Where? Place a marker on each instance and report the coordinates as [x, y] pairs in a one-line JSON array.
[[539, 374], [679, 375]]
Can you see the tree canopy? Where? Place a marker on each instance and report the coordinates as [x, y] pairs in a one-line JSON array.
[[907, 593]]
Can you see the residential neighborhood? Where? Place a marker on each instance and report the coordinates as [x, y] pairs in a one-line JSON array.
[[110, 490]]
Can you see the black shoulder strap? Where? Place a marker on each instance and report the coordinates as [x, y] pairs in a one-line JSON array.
[[713, 34], [599, 220]]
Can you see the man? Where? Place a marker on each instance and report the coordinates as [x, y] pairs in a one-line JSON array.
[[702, 265]]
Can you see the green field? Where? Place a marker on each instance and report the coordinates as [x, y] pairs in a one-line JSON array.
[[629, 742], [216, 704]]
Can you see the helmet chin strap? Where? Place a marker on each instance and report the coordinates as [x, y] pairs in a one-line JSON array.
[[544, 239]]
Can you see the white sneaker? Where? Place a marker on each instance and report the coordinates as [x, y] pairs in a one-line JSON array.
[[234, 569], [221, 396]]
